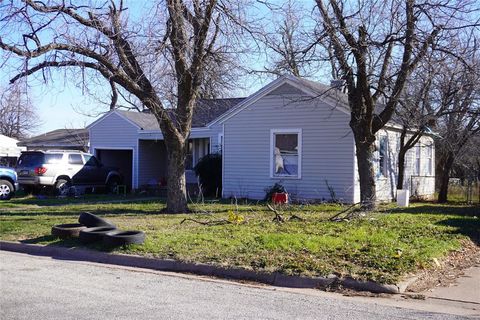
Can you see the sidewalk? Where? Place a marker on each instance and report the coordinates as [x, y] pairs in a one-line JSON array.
[[465, 289]]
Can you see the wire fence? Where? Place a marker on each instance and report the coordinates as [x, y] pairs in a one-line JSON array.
[[468, 192]]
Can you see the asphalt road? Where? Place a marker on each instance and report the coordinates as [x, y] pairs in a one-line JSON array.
[[34, 287]]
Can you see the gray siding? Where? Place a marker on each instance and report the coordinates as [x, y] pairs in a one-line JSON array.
[[115, 132], [327, 147]]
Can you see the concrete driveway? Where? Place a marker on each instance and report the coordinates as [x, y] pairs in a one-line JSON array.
[[43, 288]]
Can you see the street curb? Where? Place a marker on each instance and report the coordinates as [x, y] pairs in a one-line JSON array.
[[275, 278]]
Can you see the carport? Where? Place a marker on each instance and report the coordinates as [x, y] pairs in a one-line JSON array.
[[120, 158]]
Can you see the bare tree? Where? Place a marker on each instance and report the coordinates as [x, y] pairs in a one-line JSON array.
[[18, 116], [415, 112], [376, 45], [286, 40], [161, 61], [461, 123]]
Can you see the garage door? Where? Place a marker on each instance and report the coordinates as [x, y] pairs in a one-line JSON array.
[[121, 159]]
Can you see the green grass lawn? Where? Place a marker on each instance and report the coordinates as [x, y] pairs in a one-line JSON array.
[[382, 246]]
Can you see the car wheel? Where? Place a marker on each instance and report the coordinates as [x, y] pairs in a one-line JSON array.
[[69, 230], [121, 238], [90, 220], [112, 185], [6, 190], [89, 235], [62, 187]]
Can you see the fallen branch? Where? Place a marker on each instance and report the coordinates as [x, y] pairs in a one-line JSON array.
[[278, 216], [207, 223], [295, 217], [336, 216]]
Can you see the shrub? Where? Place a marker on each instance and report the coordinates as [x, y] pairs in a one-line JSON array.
[[209, 171], [276, 188]]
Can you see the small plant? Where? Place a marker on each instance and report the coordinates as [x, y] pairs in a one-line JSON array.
[[333, 195], [276, 188], [235, 218]]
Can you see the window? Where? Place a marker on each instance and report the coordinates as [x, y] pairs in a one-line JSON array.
[[75, 159], [430, 159], [91, 161], [220, 143], [418, 151], [285, 153], [382, 156], [53, 158]]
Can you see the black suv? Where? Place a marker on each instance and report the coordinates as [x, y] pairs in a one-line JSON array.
[[62, 169]]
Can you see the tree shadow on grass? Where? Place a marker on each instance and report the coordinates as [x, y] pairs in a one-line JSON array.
[[440, 209], [464, 220], [126, 211], [58, 242], [467, 226], [46, 201]]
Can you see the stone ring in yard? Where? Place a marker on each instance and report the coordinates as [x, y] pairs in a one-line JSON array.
[[69, 230]]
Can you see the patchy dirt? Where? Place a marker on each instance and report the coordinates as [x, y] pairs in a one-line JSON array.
[[447, 270]]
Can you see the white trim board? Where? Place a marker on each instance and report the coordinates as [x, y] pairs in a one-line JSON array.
[[298, 131]]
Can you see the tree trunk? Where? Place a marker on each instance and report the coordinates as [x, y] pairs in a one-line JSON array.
[[401, 168], [366, 172], [176, 182], [445, 167]]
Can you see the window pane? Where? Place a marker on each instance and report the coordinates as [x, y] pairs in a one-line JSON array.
[[75, 159], [383, 156], [90, 160], [31, 159], [417, 160], [53, 158], [286, 154]]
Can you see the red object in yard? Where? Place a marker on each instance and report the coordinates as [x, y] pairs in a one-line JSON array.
[[280, 198]]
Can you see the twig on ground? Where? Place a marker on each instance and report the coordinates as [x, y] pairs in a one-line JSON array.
[[295, 217], [278, 216], [207, 223], [348, 215]]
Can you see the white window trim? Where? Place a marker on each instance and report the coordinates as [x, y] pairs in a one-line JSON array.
[[273, 132]]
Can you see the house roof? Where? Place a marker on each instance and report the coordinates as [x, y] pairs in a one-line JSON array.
[[206, 111], [63, 138]]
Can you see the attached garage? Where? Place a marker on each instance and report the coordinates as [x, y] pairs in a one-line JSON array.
[[119, 158]]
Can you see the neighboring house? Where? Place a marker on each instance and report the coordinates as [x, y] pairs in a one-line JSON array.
[[9, 151], [70, 139], [292, 131]]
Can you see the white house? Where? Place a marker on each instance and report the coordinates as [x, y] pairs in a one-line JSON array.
[[292, 131], [9, 151]]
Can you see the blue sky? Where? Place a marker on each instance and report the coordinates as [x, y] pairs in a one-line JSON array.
[[61, 104]]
